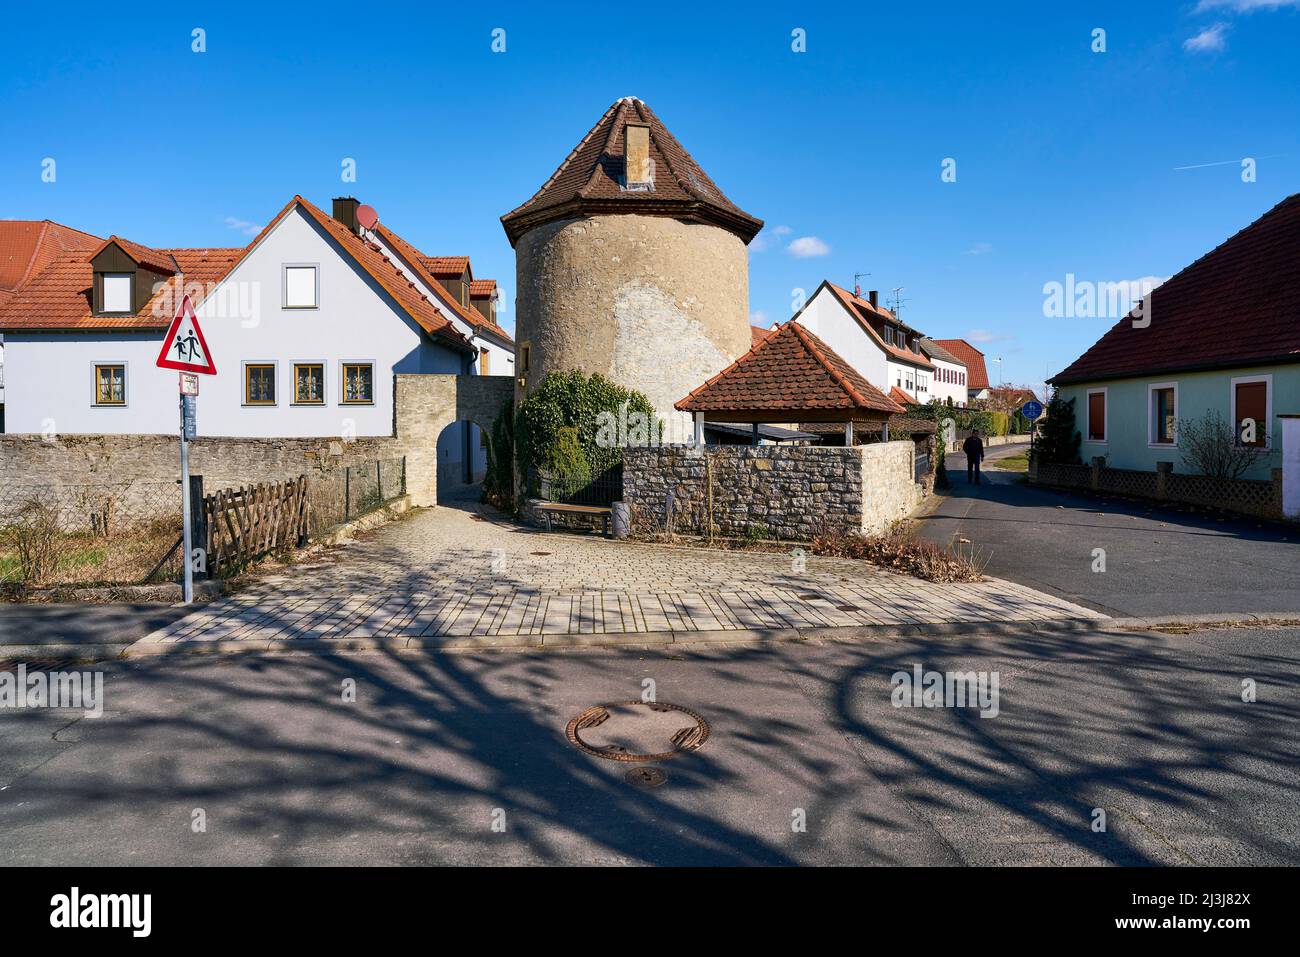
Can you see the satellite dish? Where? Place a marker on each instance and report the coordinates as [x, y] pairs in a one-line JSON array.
[[367, 217]]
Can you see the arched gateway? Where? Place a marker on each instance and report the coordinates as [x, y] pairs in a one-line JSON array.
[[426, 405]]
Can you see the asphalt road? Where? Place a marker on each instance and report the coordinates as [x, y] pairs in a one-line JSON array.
[[1158, 560], [435, 750], [100, 629]]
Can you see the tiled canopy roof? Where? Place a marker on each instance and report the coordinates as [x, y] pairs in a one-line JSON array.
[[977, 376], [901, 397], [790, 375], [482, 288], [1238, 304], [590, 181]]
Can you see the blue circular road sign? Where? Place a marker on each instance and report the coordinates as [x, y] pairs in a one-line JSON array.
[[1031, 410]]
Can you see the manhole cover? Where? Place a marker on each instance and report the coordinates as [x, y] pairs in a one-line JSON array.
[[539, 553], [638, 731], [645, 777]]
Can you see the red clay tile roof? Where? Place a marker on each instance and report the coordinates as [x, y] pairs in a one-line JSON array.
[[416, 260], [385, 272], [863, 312], [60, 297], [936, 351], [901, 397], [154, 259], [27, 247], [757, 334], [482, 288], [448, 267], [977, 376], [590, 181], [1013, 398], [1239, 304], [790, 370]]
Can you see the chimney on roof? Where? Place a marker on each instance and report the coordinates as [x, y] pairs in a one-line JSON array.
[[874, 298], [636, 156], [345, 211]]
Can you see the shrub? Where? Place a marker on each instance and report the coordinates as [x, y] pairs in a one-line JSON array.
[[1058, 440], [897, 548], [571, 400], [1210, 447], [33, 535]]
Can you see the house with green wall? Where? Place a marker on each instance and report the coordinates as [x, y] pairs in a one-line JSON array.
[[1222, 336]]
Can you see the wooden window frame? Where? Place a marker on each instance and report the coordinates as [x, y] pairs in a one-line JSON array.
[[103, 293], [275, 384], [343, 383], [94, 384], [309, 402]]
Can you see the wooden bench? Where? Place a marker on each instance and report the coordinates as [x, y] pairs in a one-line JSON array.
[[549, 508]]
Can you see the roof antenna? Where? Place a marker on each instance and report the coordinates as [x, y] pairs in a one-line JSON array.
[[857, 286], [898, 301]]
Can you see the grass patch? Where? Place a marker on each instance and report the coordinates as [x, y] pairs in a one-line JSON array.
[[1013, 463]]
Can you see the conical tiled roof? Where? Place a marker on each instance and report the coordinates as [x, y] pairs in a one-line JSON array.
[[590, 180]]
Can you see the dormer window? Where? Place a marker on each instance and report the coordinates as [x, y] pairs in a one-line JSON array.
[[117, 292]]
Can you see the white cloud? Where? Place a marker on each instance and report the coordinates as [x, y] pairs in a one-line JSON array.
[[1210, 40], [806, 247], [763, 241], [982, 336], [758, 318], [1244, 6], [979, 249], [243, 226]]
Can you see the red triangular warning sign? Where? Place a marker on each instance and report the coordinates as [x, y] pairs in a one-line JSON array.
[[185, 349]]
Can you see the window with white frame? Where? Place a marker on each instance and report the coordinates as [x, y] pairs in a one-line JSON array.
[[301, 286], [1162, 413], [117, 292], [1252, 410]]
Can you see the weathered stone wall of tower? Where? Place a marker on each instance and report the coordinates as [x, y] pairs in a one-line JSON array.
[[653, 303]]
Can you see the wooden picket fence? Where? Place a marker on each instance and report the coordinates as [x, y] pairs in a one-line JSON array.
[[251, 521]]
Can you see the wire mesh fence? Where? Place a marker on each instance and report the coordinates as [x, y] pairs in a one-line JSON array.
[[344, 494], [112, 534]]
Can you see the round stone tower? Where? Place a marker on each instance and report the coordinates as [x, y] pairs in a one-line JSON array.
[[630, 262]]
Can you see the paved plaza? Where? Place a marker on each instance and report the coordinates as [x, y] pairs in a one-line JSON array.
[[462, 577]]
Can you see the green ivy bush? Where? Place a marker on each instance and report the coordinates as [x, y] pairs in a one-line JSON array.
[[556, 426]]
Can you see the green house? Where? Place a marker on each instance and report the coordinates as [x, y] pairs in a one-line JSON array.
[[1222, 336]]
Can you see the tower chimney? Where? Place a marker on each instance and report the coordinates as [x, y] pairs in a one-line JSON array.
[[874, 297], [345, 211], [636, 159]]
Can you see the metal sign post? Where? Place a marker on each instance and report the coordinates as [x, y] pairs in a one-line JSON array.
[[192, 359], [187, 423]]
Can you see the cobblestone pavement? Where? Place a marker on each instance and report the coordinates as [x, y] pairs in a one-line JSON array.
[[448, 576]]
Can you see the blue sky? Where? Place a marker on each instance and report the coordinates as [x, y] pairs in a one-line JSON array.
[[1067, 160]]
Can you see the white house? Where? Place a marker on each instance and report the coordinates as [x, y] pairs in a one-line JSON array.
[[948, 385], [884, 350], [307, 326]]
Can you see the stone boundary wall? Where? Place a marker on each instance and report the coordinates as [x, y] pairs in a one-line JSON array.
[[786, 492], [423, 406], [1246, 496]]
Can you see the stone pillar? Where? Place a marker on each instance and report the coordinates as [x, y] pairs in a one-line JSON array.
[[1290, 497], [1094, 481], [1279, 493], [1163, 470]]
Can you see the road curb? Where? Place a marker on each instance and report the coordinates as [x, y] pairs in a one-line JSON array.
[[1227, 618], [151, 647]]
